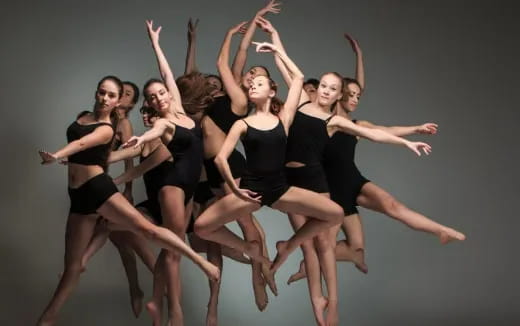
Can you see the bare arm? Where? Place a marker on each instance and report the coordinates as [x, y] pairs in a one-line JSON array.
[[126, 132], [360, 68], [241, 56], [376, 135], [238, 98], [191, 65], [159, 128], [123, 154], [426, 128], [164, 67], [101, 135], [159, 155]]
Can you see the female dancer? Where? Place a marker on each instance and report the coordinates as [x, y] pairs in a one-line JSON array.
[[93, 193]]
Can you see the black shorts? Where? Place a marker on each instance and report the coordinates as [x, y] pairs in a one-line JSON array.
[[203, 193], [347, 193], [310, 177], [153, 209], [237, 164], [88, 197], [270, 187]]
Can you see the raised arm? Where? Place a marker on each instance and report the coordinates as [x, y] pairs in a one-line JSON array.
[[360, 68], [376, 135], [429, 128], [164, 67], [238, 98], [101, 135], [159, 155], [221, 161], [241, 56], [191, 65]]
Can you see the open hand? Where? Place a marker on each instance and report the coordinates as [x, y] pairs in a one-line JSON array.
[[47, 158], [154, 35], [418, 146]]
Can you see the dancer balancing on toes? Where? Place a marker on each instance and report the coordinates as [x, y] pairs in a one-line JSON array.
[[93, 193], [264, 136]]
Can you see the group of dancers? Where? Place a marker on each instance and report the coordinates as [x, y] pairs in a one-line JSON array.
[[299, 159]]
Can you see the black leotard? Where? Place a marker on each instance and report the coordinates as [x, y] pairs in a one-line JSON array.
[[265, 152], [345, 180], [187, 152], [306, 144], [96, 155]]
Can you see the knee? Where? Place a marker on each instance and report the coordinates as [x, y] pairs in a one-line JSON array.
[[336, 214], [201, 229], [322, 243], [172, 257]]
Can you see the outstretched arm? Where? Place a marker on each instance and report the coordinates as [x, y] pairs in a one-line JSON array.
[[360, 68], [123, 154], [238, 98], [241, 56], [159, 127], [101, 135], [191, 65], [164, 67], [426, 128], [376, 135], [159, 155]]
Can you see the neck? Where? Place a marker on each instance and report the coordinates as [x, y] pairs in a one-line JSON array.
[[263, 107]]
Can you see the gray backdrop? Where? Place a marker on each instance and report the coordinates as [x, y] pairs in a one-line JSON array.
[[451, 62]]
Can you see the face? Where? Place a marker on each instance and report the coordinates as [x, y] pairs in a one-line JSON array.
[[311, 91], [158, 97], [248, 77], [107, 96], [329, 90], [148, 119], [260, 89], [128, 97], [351, 97], [216, 85]]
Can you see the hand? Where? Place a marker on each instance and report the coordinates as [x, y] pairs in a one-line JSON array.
[[271, 7], [134, 141], [265, 47], [248, 195], [354, 44], [264, 24], [154, 35], [192, 28], [47, 158], [418, 146], [63, 161], [427, 128], [240, 28]]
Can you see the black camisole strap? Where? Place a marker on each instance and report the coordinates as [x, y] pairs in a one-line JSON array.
[[302, 105]]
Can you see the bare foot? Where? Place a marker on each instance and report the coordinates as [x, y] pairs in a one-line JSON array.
[[281, 256], [254, 252], [269, 279], [359, 261], [155, 311], [301, 273], [332, 313], [318, 306], [136, 300], [448, 235], [261, 298]]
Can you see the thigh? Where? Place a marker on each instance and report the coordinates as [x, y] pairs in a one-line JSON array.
[[118, 210], [171, 200], [374, 197], [226, 210], [304, 202]]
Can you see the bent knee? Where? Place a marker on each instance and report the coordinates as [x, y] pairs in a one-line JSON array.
[[201, 229], [323, 243]]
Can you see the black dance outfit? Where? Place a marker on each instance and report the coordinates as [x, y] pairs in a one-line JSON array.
[[88, 197], [265, 152], [345, 180], [306, 144], [221, 114]]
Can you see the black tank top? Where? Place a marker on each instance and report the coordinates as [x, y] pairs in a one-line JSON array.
[[154, 178], [221, 114], [339, 158], [186, 144], [265, 149], [307, 139], [96, 155]]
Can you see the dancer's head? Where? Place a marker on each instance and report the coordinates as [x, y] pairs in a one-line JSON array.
[[264, 89], [195, 92], [215, 83], [254, 71], [108, 94], [329, 90], [351, 94], [310, 87], [149, 115], [129, 98], [157, 96]]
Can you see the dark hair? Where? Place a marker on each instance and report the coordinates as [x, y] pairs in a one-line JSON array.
[[149, 83], [195, 92], [276, 103], [113, 115], [347, 81], [263, 67], [136, 91], [312, 81], [148, 110]]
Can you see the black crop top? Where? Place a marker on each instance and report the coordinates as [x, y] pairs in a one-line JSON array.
[[222, 115], [96, 155], [265, 149]]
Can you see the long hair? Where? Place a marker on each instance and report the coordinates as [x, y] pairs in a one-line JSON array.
[[276, 103], [195, 92]]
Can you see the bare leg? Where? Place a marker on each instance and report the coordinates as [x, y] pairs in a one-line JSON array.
[[100, 237], [353, 249], [80, 229], [215, 257], [154, 306], [377, 199], [266, 269]]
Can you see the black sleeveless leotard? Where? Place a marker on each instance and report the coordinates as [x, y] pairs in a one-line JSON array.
[[306, 144], [187, 152], [221, 114], [265, 152], [344, 179], [87, 198]]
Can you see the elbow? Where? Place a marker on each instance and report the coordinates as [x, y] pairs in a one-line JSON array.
[[219, 161]]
